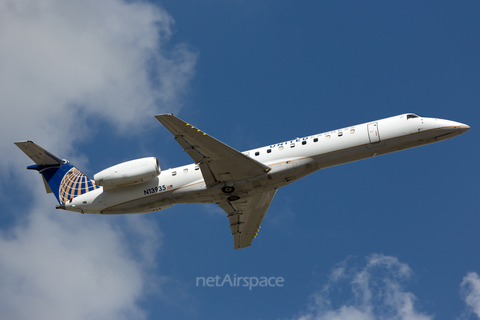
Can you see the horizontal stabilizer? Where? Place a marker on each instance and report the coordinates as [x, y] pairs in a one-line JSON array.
[[38, 155]]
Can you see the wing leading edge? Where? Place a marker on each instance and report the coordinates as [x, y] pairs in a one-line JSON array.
[[246, 215], [219, 163]]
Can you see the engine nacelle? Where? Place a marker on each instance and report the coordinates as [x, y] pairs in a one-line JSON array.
[[128, 173]]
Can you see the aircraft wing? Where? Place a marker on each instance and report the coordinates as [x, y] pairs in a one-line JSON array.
[[218, 162], [246, 215]]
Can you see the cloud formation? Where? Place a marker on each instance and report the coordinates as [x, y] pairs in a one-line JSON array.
[[67, 266], [65, 63], [374, 292], [470, 289], [68, 66]]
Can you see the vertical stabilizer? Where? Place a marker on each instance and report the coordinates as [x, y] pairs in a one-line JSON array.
[[60, 177]]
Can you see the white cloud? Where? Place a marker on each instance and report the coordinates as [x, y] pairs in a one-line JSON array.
[[375, 292], [68, 66], [63, 265], [470, 289], [66, 62]]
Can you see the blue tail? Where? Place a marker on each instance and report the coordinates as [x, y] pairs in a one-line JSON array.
[[61, 178]]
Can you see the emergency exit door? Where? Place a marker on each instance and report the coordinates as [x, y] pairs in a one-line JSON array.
[[373, 132]]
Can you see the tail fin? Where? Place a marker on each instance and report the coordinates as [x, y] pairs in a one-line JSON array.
[[60, 177]]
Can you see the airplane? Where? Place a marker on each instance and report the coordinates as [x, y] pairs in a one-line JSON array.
[[243, 184]]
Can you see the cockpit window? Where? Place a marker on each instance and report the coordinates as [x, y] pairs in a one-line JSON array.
[[410, 116]]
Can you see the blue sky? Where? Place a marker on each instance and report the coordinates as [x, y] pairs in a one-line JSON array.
[[394, 236]]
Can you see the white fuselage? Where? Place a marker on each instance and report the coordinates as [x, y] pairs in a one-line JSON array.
[[289, 161]]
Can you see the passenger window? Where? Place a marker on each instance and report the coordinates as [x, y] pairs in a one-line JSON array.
[[315, 140], [280, 148], [352, 131], [174, 173], [340, 134], [185, 170], [269, 150], [257, 153], [327, 136], [304, 142], [292, 145], [197, 167]]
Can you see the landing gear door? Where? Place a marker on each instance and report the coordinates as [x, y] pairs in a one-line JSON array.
[[373, 132]]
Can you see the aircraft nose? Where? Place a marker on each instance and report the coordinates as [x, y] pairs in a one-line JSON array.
[[448, 129], [464, 127], [460, 126], [454, 125]]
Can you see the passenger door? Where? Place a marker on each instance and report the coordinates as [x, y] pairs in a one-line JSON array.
[[373, 132]]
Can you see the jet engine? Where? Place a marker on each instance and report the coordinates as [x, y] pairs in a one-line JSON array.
[[128, 173]]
